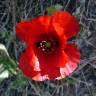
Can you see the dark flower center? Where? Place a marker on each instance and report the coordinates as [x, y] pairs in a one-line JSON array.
[[47, 46]]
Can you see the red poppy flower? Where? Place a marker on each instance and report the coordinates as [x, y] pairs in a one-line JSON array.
[[48, 54]]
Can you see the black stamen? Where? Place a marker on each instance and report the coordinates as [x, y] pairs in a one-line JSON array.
[[47, 46]]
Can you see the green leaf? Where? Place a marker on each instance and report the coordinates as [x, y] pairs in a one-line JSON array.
[[9, 68], [20, 82], [7, 65], [54, 8]]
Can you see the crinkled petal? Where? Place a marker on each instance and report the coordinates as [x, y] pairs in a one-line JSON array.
[[50, 63], [26, 63], [32, 29], [41, 67], [73, 52], [32, 67], [74, 59], [68, 23]]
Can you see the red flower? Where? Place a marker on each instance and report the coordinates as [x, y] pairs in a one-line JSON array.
[[48, 54]]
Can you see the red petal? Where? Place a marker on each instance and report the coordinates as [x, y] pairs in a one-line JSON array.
[[68, 23], [54, 63], [26, 63], [51, 71], [50, 63], [74, 59], [73, 52], [31, 67], [27, 30], [48, 67], [57, 58], [59, 31], [22, 30]]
